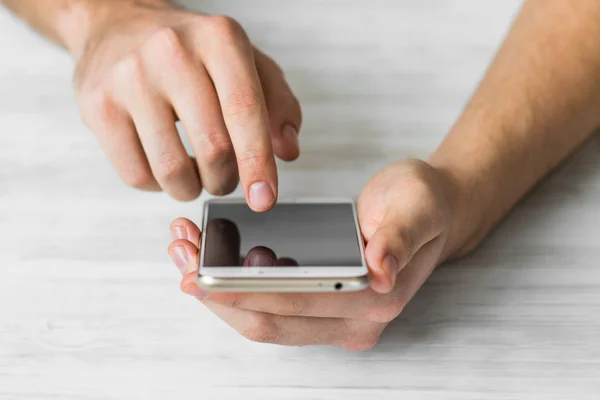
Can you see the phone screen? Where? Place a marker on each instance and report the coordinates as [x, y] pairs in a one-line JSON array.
[[301, 235]]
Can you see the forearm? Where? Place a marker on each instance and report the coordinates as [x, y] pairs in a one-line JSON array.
[[538, 102], [68, 22]]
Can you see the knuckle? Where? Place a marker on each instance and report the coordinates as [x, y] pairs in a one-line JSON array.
[[130, 71], [166, 39], [223, 186], [138, 177], [254, 160], [261, 330], [104, 107], [226, 28], [384, 312], [97, 107], [170, 167], [266, 64], [167, 44], [243, 102], [216, 148], [361, 342]]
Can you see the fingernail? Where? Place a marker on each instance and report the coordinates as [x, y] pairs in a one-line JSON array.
[[178, 232], [261, 196], [179, 256], [193, 290], [390, 267], [290, 133]]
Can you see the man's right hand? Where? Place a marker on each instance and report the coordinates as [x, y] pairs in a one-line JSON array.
[[142, 67]]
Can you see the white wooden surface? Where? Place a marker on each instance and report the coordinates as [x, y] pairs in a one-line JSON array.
[[89, 302]]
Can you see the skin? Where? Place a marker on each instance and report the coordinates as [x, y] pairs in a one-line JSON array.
[[143, 65], [405, 240], [538, 102]]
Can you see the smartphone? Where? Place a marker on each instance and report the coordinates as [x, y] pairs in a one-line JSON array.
[[301, 245]]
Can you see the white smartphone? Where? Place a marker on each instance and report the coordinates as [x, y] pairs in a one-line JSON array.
[[301, 245]]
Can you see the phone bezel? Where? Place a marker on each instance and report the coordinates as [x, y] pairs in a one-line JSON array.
[[285, 272]]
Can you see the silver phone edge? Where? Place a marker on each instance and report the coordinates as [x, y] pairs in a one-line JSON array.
[[283, 285]]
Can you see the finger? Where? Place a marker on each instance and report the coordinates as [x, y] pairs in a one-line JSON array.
[[117, 137], [190, 286], [285, 115], [192, 94], [416, 272], [260, 256], [299, 331], [233, 72], [402, 232], [183, 228], [169, 161], [356, 305], [154, 120], [185, 255]]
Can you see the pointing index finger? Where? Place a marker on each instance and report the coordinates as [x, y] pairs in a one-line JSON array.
[[233, 72]]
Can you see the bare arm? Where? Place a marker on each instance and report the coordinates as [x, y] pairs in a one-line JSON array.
[[538, 102], [68, 22], [40, 15], [65, 22]]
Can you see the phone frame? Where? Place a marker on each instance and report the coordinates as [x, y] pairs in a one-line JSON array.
[[285, 279]]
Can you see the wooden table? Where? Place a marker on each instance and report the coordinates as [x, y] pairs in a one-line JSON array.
[[89, 301]]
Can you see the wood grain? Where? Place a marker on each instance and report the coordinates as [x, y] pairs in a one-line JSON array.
[[89, 303]]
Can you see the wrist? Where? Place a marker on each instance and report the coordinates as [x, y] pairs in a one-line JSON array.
[[467, 217], [75, 22]]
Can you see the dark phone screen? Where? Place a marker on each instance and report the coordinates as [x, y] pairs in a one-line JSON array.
[[305, 235]]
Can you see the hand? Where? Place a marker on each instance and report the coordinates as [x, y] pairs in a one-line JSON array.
[[143, 67], [405, 213]]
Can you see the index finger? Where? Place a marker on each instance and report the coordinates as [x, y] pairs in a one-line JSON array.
[[233, 72], [353, 305]]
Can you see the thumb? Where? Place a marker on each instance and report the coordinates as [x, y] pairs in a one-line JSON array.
[[399, 236]]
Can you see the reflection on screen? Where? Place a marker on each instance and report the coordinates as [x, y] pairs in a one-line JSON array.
[[307, 235]]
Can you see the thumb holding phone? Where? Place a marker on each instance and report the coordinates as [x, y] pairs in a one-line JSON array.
[[405, 216], [405, 212]]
